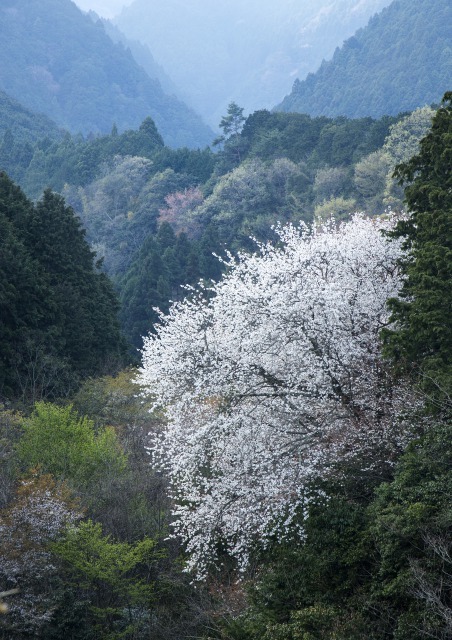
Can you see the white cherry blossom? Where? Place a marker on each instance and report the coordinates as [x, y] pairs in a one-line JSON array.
[[269, 378]]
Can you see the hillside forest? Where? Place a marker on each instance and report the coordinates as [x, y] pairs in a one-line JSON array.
[[61, 62], [376, 71], [225, 377]]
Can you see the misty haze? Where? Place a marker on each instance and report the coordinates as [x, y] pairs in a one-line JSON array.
[[248, 52]]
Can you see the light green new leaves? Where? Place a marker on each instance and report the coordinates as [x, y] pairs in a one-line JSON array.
[[68, 446], [116, 577], [95, 557]]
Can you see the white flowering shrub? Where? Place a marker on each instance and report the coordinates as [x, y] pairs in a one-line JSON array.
[[270, 377], [38, 517]]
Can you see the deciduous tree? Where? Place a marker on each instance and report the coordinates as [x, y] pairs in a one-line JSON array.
[[67, 446], [39, 515], [271, 376]]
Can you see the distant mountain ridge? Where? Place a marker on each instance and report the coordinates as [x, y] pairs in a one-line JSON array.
[[402, 60], [247, 52], [56, 61]]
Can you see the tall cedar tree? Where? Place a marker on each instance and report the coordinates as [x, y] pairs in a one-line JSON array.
[[22, 298], [67, 312], [421, 341]]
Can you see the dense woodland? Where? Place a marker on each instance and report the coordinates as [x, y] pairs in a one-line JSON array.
[[225, 379], [364, 550], [156, 215]]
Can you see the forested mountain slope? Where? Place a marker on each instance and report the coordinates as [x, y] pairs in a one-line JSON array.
[[56, 61], [157, 220], [248, 52], [295, 447], [402, 60], [155, 215], [307, 454], [23, 124]]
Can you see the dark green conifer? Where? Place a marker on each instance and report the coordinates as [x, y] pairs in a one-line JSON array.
[[421, 339], [58, 319]]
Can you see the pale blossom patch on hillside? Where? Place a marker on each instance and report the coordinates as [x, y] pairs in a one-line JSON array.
[[38, 517]]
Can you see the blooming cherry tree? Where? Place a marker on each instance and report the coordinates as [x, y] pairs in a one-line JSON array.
[[179, 206], [270, 377]]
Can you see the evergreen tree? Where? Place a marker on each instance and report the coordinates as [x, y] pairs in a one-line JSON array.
[[85, 303], [157, 274], [232, 125], [421, 340], [58, 310], [21, 304]]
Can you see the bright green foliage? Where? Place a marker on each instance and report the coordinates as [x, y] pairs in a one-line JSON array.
[[371, 174], [374, 174], [132, 503], [68, 446], [421, 339], [135, 506], [337, 208], [404, 136], [114, 576]]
